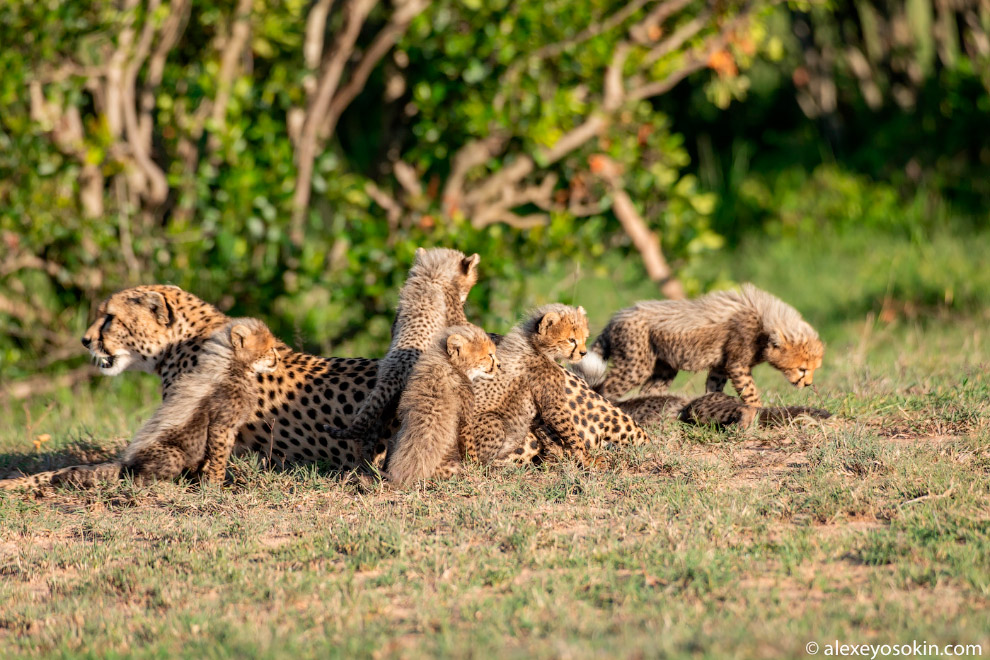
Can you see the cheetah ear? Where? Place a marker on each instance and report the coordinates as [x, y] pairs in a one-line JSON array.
[[582, 312], [547, 321], [455, 343], [419, 254], [775, 339], [156, 304], [469, 263], [238, 336]]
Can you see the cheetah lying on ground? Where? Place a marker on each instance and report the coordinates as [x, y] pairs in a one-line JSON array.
[[193, 430], [163, 330], [726, 332]]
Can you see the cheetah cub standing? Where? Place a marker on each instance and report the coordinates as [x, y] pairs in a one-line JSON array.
[[431, 299], [437, 404], [195, 427], [726, 332], [531, 391]]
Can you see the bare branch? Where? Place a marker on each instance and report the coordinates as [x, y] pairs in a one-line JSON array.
[[408, 179], [382, 43], [356, 13], [393, 210], [473, 154], [644, 240], [138, 134], [240, 32], [676, 40], [590, 32], [641, 31]]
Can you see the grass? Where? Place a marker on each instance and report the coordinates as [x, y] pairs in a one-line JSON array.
[[870, 528]]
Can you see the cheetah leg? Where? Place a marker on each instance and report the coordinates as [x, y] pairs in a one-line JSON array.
[[624, 375], [659, 382], [742, 381], [716, 380], [448, 469], [483, 438], [156, 462], [573, 440], [532, 448], [219, 443]]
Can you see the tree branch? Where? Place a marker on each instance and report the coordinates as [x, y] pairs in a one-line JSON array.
[[643, 239], [356, 13], [383, 42]]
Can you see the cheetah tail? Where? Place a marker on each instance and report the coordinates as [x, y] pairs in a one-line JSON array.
[[81, 476], [787, 414], [592, 367]]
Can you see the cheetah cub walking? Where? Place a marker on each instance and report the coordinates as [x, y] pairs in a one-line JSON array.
[[437, 403], [195, 427], [431, 299], [726, 332]]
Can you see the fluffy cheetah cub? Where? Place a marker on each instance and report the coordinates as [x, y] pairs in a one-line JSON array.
[[431, 299], [726, 332], [437, 404], [714, 408], [195, 427], [531, 389]]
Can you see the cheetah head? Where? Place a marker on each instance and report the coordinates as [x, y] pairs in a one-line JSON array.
[[798, 360], [472, 352], [131, 330], [561, 332], [254, 345], [446, 263]]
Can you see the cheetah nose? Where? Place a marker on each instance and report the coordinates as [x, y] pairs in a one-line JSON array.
[[583, 352], [86, 341]]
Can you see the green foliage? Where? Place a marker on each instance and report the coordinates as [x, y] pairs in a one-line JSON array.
[[700, 172]]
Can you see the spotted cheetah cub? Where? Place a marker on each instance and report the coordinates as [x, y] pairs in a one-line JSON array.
[[437, 404], [431, 299], [713, 409], [195, 427], [531, 390], [725, 332]]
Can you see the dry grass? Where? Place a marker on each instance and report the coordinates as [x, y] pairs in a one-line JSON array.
[[870, 528]]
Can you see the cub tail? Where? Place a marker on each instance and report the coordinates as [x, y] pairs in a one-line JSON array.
[[593, 366]]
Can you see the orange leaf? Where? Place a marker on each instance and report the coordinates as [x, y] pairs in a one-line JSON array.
[[598, 163], [723, 64], [40, 440]]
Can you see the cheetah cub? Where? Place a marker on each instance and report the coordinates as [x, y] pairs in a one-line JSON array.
[[437, 403], [531, 390], [431, 299], [195, 427], [726, 332]]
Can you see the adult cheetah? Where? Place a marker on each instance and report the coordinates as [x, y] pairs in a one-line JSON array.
[[162, 329]]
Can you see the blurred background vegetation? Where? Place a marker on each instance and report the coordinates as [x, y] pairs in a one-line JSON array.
[[284, 159]]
